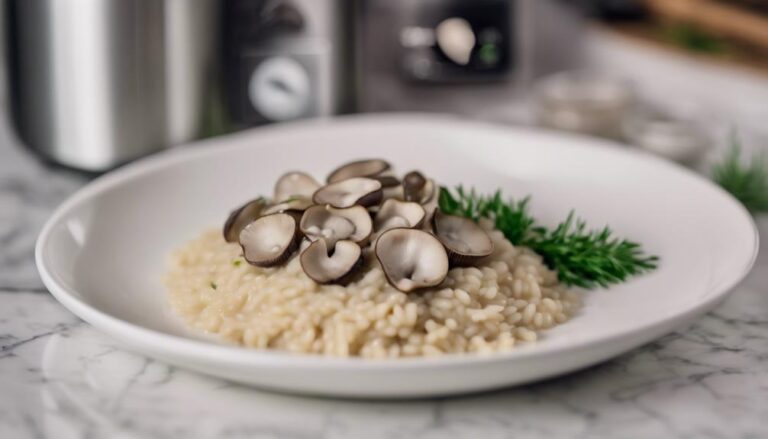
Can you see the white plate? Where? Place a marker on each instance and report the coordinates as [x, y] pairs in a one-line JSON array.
[[103, 252]]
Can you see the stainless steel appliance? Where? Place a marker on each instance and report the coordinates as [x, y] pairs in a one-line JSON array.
[[98, 82], [287, 59], [472, 57]]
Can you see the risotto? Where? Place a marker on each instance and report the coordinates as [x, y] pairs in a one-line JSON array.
[[507, 298]]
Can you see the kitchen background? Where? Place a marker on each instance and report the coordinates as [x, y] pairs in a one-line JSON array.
[[93, 84]]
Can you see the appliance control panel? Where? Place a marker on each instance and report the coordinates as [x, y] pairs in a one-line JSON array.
[[457, 40], [281, 62]]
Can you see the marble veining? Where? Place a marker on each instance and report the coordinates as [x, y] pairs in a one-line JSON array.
[[29, 191], [60, 378]]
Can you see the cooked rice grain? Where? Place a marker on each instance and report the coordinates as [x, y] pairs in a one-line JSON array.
[[490, 308]]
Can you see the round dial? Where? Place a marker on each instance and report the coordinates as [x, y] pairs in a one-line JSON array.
[[280, 89]]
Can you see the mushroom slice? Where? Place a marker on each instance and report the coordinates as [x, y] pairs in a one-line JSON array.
[[332, 225], [430, 191], [411, 259], [465, 241], [395, 213], [395, 192], [241, 217], [270, 240], [290, 205], [359, 168], [418, 188], [391, 187], [347, 193], [295, 184], [387, 181], [336, 267], [413, 186], [430, 205]]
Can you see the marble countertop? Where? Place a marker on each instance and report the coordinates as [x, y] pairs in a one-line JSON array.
[[60, 378]]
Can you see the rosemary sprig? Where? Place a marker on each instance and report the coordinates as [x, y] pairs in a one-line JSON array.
[[747, 183], [587, 258], [581, 257]]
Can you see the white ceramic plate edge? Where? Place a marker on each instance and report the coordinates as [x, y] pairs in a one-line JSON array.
[[155, 342]]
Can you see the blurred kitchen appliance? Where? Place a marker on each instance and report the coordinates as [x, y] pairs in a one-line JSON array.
[[466, 57], [584, 102], [452, 41], [287, 59], [670, 133], [95, 83]]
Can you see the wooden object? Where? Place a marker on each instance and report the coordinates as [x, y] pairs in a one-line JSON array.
[[716, 16]]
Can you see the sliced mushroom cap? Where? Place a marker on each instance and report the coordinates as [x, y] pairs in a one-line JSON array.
[[465, 241], [241, 217], [332, 225], [395, 213], [395, 192], [391, 187], [270, 240], [295, 184], [336, 267], [411, 259], [290, 205], [413, 186], [387, 181], [347, 193], [430, 205], [359, 168], [418, 188]]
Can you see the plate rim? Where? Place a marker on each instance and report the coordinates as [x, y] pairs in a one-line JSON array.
[[189, 347]]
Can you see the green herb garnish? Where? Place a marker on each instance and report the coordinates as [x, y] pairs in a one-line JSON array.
[[213, 285], [581, 257], [237, 262], [748, 183], [586, 258]]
